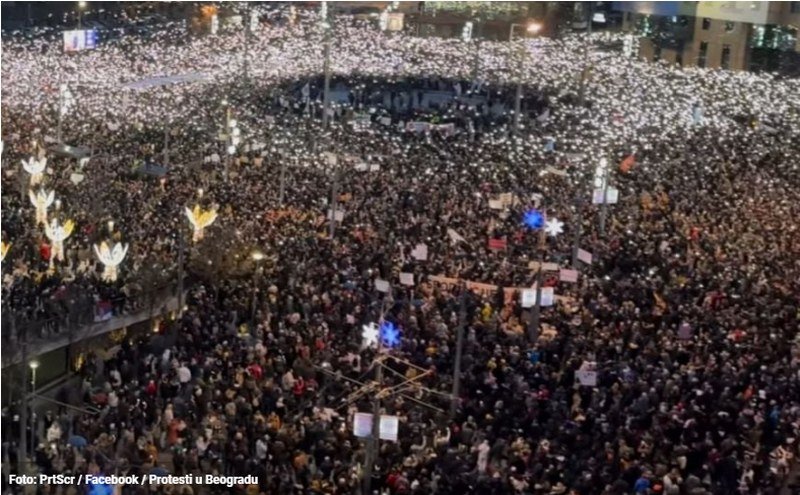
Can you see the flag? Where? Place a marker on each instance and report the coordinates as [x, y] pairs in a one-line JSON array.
[[454, 236], [103, 311], [627, 164], [497, 243]]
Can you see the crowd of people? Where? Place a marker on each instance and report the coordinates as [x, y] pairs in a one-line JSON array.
[[687, 312]]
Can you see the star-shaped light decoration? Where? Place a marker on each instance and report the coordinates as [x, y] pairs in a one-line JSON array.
[[533, 219], [554, 227], [390, 334], [369, 335]]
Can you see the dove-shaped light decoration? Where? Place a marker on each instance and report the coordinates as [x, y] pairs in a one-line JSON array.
[[41, 201], [110, 258], [4, 250], [35, 168], [58, 234], [200, 220]]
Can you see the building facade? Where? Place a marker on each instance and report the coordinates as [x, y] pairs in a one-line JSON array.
[[727, 35]]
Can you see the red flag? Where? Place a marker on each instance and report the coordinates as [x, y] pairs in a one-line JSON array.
[[497, 243], [627, 164]]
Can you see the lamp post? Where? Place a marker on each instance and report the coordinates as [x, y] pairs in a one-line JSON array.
[[257, 256], [380, 341], [531, 28], [553, 227], [81, 7], [462, 317], [585, 70], [326, 95], [34, 365]]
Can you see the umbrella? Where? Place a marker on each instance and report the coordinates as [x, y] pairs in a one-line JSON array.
[[158, 471], [77, 441]]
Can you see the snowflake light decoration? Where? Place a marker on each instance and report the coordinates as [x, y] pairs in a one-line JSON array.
[[390, 334], [369, 335], [554, 227], [533, 219]]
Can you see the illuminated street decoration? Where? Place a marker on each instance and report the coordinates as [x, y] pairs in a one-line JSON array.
[[369, 334], [58, 234], [533, 219], [111, 259], [390, 334], [35, 168], [554, 227], [41, 201], [200, 220], [4, 250]]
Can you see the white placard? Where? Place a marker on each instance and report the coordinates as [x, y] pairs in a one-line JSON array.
[[495, 204], [406, 278], [586, 378], [338, 217], [362, 167], [611, 195], [374, 167], [552, 170], [387, 121], [567, 275], [548, 296], [76, 178], [585, 256], [388, 428], [330, 158], [362, 425], [382, 285], [528, 298], [420, 252], [550, 267]]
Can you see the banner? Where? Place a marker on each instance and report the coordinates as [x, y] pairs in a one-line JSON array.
[[585, 256], [497, 244], [418, 127], [420, 252], [567, 275]]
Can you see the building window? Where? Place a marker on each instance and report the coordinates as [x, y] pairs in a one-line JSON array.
[[706, 23], [730, 26], [701, 55], [725, 62], [794, 7]]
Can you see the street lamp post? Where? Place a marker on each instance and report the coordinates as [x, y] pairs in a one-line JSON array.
[[326, 95], [257, 256], [34, 365], [585, 70], [371, 455], [81, 7], [462, 317], [533, 328], [532, 28]]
